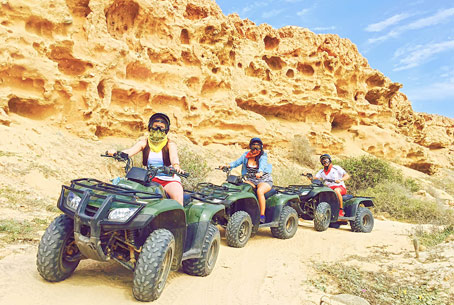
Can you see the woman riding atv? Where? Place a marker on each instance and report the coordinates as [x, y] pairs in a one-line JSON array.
[[158, 150], [256, 168], [335, 173]]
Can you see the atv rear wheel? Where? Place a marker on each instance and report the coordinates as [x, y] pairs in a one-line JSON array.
[[288, 224], [364, 221], [322, 216], [153, 265], [204, 265], [238, 229], [58, 255]]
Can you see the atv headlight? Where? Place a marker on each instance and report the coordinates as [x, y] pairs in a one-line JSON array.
[[121, 214], [73, 201], [304, 193]]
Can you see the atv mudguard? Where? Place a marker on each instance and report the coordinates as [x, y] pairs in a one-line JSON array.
[[167, 214], [276, 203], [199, 216], [329, 196], [351, 205]]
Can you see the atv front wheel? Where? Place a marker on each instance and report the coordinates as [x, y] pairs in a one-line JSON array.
[[204, 265], [58, 255], [238, 229], [153, 265], [322, 216], [364, 221], [288, 224]]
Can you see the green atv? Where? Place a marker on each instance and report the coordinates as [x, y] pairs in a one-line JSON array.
[[242, 211], [320, 203], [132, 222]]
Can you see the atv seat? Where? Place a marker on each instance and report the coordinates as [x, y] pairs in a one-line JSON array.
[[347, 197], [186, 199], [270, 193]]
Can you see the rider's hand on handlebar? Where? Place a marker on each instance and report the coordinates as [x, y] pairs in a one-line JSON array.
[[111, 152], [177, 168]]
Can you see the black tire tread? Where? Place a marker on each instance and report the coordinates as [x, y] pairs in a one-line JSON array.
[[149, 263], [357, 224], [319, 223], [198, 266], [233, 227], [50, 250], [280, 231]]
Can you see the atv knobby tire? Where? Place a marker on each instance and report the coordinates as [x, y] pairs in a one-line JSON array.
[[204, 265], [364, 221], [153, 265], [322, 216], [238, 229], [58, 256], [288, 224]]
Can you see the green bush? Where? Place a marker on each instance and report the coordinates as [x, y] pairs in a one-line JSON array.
[[284, 176], [436, 235], [377, 287], [303, 151], [366, 171], [395, 200], [193, 163]]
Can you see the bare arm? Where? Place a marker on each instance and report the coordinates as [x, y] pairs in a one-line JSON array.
[[173, 155], [344, 178], [138, 147]]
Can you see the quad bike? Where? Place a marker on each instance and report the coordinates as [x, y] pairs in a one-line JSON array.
[[132, 222], [321, 204], [242, 211]]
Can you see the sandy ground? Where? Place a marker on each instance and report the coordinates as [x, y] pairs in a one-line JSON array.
[[35, 159], [267, 271]]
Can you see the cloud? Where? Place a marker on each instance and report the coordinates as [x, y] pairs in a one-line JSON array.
[[326, 28], [254, 5], [303, 12], [432, 92], [440, 17], [271, 13], [416, 55], [380, 26]]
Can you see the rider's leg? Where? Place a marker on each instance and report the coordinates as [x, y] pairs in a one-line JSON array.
[[339, 196], [262, 188], [175, 191], [252, 184]]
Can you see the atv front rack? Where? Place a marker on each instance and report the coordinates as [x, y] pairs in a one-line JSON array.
[[100, 186], [212, 193], [293, 189]]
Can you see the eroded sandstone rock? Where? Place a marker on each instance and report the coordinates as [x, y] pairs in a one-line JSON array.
[[104, 66]]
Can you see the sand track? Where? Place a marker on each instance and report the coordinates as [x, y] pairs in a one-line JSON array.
[[267, 270]]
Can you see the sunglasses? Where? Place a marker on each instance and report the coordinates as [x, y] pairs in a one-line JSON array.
[[325, 161]]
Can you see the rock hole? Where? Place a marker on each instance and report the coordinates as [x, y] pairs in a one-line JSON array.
[[306, 69], [270, 42], [274, 62], [184, 36], [290, 73]]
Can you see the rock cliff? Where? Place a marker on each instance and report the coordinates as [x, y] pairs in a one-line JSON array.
[[102, 67]]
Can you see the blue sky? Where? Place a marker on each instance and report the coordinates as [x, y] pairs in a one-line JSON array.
[[411, 42]]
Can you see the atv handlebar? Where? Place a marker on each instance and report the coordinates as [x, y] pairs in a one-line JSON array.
[[154, 171], [121, 157], [311, 177]]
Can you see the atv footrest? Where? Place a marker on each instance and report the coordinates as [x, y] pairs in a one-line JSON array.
[[269, 224]]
